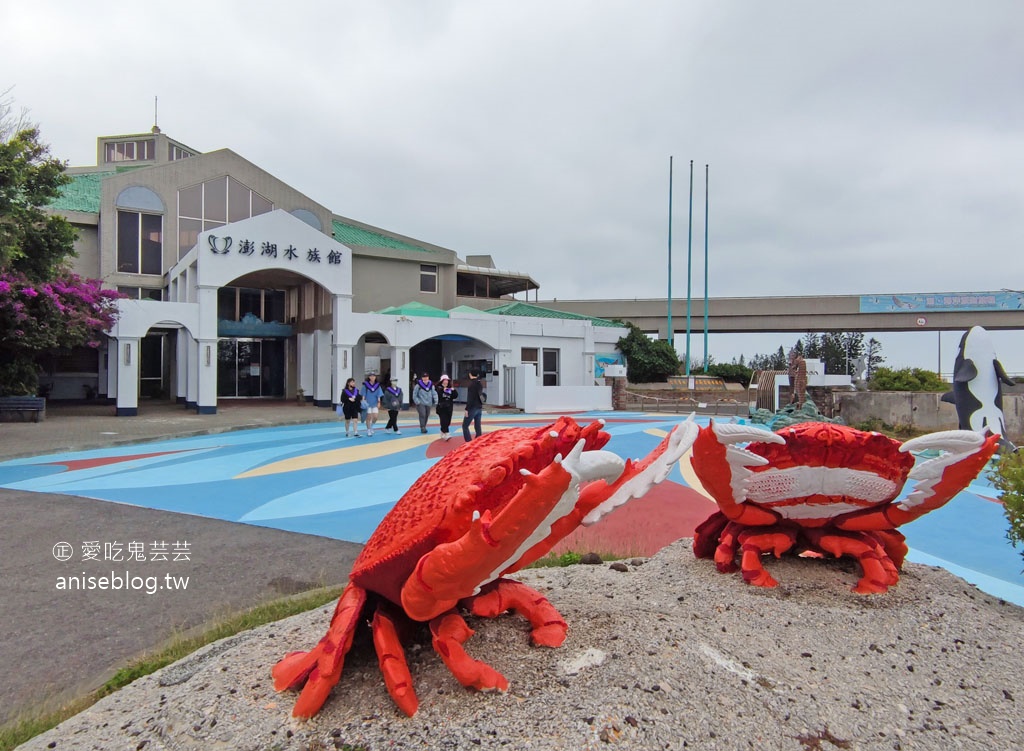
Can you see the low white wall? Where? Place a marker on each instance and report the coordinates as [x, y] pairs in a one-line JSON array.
[[558, 399]]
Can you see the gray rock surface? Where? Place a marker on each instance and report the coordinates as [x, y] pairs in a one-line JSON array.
[[668, 654]]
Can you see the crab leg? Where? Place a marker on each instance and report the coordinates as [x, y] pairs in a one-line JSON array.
[[724, 469], [549, 628], [755, 544], [455, 570], [878, 576], [938, 480], [321, 667], [450, 633], [391, 658]]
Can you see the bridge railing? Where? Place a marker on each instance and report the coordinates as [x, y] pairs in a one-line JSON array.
[[635, 401]]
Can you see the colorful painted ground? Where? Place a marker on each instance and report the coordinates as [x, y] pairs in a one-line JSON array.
[[312, 479]]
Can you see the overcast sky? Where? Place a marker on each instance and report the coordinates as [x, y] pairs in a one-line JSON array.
[[870, 147]]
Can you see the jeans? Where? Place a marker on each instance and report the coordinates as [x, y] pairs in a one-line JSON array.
[[472, 416], [424, 412]]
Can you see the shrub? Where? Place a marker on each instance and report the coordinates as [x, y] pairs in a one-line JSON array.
[[1008, 477], [732, 373], [906, 379]]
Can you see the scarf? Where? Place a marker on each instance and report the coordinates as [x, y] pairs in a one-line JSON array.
[[351, 394], [371, 387], [394, 391], [425, 386]]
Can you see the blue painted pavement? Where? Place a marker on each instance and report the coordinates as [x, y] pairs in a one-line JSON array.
[[314, 480]]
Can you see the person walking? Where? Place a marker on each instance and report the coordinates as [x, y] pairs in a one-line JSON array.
[[446, 397], [392, 402], [474, 406], [349, 406], [372, 393], [424, 397]]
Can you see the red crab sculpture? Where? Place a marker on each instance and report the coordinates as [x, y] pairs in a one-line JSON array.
[[486, 509], [823, 489]]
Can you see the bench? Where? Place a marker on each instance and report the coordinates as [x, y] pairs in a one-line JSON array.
[[22, 406]]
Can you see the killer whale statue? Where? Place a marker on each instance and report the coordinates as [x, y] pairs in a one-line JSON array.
[[977, 386]]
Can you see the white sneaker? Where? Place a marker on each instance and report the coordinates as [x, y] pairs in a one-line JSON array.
[[398, 432], [369, 432], [356, 434]]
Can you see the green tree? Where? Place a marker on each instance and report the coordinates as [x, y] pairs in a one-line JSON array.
[[43, 307], [1008, 477], [906, 379], [874, 355], [32, 242], [648, 360]]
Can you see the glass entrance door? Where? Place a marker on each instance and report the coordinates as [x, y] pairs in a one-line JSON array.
[[250, 368]]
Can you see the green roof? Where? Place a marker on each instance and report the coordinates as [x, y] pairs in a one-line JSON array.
[[352, 235], [464, 309], [536, 311], [414, 309], [82, 193]]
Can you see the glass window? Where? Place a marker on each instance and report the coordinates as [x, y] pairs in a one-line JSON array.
[[188, 235], [528, 355], [190, 201], [260, 205], [139, 243], [128, 242], [215, 200], [130, 151], [226, 304], [238, 200], [428, 277], [550, 367], [250, 301], [273, 305], [152, 244]]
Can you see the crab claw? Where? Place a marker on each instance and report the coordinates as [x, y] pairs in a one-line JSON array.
[[639, 477], [937, 480], [724, 468], [941, 478], [455, 570]]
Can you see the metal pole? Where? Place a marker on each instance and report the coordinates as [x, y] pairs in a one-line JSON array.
[[689, 272], [670, 338], [707, 357]]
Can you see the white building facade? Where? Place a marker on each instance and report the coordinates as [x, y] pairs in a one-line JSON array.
[[243, 288]]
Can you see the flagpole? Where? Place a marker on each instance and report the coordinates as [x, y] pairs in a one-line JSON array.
[[707, 358], [670, 337], [689, 272]]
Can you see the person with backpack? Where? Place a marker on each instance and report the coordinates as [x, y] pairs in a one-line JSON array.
[[349, 406], [474, 406], [446, 397], [372, 393], [392, 402], [424, 396]]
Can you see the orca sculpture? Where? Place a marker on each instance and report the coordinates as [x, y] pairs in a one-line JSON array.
[[977, 391]]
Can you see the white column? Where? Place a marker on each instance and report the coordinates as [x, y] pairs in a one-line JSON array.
[[192, 371], [127, 350], [323, 386], [206, 400], [181, 361]]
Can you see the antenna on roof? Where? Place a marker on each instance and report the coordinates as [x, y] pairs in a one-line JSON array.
[[156, 128]]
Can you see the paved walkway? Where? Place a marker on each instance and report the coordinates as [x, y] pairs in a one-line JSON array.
[[301, 481]]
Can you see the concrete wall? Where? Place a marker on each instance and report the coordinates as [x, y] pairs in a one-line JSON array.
[[924, 411]]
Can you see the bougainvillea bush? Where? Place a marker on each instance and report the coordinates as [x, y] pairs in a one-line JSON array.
[[36, 317]]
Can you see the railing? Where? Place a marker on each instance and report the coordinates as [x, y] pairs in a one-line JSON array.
[[647, 403]]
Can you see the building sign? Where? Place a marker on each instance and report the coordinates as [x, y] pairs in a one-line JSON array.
[[222, 246], [953, 302]]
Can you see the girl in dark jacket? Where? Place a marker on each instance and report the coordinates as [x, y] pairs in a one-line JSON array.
[[446, 397], [349, 406], [392, 402]]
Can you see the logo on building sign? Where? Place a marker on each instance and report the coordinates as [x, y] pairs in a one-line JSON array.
[[218, 246], [221, 246]]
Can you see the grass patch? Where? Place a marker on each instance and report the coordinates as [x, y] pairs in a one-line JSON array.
[[899, 431], [23, 728], [570, 558]]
